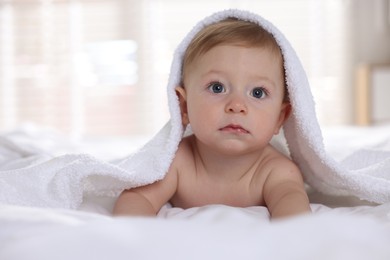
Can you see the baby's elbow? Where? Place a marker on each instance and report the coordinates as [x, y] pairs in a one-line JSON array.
[[292, 203]]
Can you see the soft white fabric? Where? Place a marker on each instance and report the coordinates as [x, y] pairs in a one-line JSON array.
[[211, 232], [371, 181], [38, 179]]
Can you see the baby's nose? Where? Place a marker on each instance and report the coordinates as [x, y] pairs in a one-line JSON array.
[[236, 105]]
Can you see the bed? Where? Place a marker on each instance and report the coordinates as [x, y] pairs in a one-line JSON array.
[[339, 228]]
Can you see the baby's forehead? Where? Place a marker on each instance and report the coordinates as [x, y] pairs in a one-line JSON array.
[[239, 51], [220, 51]]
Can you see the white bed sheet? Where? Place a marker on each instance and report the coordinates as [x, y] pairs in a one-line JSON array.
[[212, 232], [340, 228]]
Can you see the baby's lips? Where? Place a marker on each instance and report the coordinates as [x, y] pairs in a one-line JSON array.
[[235, 129]]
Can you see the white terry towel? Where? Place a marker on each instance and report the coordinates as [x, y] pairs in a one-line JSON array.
[[371, 181], [62, 181]]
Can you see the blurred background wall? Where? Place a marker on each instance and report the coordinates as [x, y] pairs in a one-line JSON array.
[[100, 67]]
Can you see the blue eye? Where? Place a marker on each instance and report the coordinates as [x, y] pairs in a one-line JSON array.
[[216, 87], [259, 93]]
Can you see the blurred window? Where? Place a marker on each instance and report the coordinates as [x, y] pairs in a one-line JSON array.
[[100, 67]]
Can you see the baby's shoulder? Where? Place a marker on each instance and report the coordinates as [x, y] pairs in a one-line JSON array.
[[274, 159], [274, 164], [184, 153], [282, 173]]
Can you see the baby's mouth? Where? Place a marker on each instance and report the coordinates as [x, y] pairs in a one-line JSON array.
[[236, 129]]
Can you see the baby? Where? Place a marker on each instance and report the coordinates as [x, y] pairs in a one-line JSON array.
[[233, 95]]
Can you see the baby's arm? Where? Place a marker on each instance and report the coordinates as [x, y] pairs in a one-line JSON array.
[[284, 191], [147, 200]]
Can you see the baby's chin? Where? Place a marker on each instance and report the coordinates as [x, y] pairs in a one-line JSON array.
[[237, 147]]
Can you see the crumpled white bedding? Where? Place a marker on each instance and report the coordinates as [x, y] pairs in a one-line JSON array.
[[340, 228], [211, 232]]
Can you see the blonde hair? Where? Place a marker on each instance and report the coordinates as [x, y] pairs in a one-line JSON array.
[[230, 31]]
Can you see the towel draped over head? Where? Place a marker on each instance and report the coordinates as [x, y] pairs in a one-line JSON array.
[[36, 180], [302, 131]]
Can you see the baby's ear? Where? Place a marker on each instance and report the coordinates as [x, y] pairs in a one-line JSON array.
[[182, 95], [285, 112]]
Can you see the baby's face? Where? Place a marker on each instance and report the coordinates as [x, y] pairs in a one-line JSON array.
[[235, 98]]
